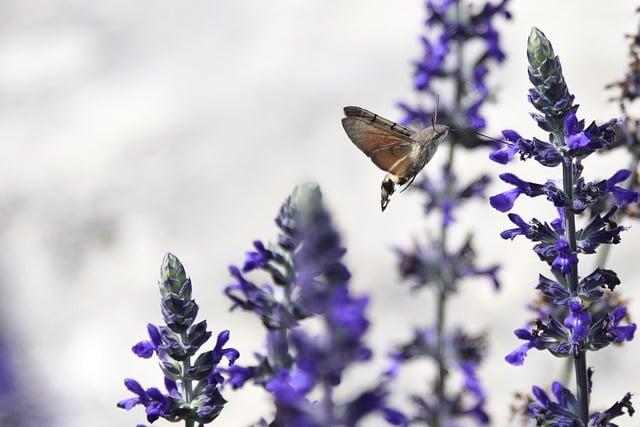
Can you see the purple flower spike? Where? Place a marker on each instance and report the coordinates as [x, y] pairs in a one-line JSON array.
[[175, 343]]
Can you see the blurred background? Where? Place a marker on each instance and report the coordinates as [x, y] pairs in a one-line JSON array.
[[132, 128]]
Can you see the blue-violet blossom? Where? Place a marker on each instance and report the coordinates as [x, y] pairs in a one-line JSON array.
[[580, 313], [192, 387]]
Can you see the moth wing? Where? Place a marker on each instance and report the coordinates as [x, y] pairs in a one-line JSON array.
[[388, 149], [378, 121], [394, 159]]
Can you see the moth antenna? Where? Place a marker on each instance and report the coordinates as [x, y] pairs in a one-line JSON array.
[[435, 114]]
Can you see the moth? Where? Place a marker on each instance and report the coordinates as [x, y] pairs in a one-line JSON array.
[[400, 151]]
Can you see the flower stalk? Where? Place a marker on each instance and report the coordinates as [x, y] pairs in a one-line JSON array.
[[454, 30], [309, 281], [193, 387], [580, 359], [578, 316]]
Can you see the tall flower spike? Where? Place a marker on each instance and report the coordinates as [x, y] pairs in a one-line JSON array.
[[192, 387], [577, 316], [309, 281], [461, 46], [450, 26]]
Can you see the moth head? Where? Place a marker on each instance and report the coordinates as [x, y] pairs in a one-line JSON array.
[[440, 132]]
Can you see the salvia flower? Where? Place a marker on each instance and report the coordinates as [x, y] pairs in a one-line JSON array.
[[561, 410], [578, 315], [309, 280], [464, 353], [447, 194], [584, 194], [192, 386], [424, 265], [452, 25], [461, 44]]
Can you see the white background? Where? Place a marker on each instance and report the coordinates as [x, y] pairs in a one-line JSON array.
[[132, 128]]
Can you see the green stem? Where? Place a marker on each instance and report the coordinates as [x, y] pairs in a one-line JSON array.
[[443, 288], [187, 386], [579, 362], [570, 220], [445, 281], [442, 368], [582, 385], [327, 398]]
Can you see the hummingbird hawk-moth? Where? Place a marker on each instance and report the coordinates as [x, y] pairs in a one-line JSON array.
[[400, 151]]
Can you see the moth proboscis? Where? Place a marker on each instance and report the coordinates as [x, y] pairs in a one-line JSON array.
[[400, 151]]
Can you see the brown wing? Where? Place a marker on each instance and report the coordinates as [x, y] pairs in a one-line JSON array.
[[387, 143], [378, 121]]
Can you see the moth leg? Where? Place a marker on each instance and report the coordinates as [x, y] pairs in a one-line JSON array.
[[407, 183]]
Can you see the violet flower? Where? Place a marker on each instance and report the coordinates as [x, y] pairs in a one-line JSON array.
[[309, 280], [580, 317], [454, 30], [453, 25], [192, 387]]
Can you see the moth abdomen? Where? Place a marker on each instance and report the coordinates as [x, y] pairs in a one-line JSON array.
[[386, 190], [389, 185]]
